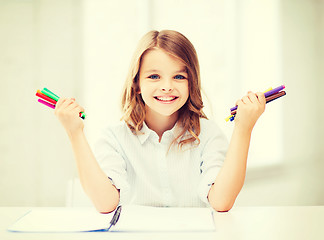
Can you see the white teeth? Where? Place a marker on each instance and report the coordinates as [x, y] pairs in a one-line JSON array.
[[165, 98]]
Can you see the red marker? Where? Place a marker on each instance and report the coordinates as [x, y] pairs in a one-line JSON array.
[[43, 96]]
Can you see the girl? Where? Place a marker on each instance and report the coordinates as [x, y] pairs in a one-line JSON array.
[[165, 152]]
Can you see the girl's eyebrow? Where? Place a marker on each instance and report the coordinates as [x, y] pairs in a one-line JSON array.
[[151, 71], [183, 70]]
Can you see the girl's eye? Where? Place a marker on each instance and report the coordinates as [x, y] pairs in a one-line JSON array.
[[179, 77], [154, 76]]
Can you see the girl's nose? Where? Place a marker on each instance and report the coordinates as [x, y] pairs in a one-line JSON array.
[[166, 89], [166, 86]]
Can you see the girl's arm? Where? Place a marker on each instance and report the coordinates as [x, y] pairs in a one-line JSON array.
[[230, 179], [94, 181]]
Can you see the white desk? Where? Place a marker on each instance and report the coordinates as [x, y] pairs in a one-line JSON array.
[[240, 223]]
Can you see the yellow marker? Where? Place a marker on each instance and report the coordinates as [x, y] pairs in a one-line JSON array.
[[228, 118], [269, 89]]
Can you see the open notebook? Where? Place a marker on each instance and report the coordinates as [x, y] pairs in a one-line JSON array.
[[129, 218]]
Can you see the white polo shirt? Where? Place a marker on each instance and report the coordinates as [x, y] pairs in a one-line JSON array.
[[146, 173]]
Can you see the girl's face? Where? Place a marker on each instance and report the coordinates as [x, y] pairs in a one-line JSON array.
[[163, 82]]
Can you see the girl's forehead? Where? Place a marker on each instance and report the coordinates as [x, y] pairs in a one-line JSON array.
[[160, 58]]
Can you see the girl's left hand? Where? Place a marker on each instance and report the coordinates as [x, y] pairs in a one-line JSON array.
[[249, 109]]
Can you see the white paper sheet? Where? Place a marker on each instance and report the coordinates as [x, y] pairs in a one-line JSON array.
[[144, 218], [132, 218], [61, 220]]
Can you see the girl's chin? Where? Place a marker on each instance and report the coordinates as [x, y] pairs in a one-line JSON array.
[[160, 113]]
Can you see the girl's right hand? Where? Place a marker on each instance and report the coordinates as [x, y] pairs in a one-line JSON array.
[[67, 111], [249, 109]]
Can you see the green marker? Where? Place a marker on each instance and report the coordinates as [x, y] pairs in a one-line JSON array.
[[49, 94], [46, 89]]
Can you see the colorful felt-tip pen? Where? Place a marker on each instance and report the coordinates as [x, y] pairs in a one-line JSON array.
[[273, 91], [43, 96], [50, 94], [270, 95], [266, 94], [46, 103], [269, 99], [51, 100]]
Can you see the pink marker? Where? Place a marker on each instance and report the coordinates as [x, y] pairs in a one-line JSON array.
[[46, 103]]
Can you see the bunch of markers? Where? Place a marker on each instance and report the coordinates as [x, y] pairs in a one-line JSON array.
[[270, 95], [50, 99]]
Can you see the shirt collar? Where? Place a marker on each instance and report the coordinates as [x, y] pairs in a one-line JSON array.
[[146, 132]]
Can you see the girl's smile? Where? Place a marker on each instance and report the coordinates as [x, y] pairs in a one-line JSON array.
[[166, 99]]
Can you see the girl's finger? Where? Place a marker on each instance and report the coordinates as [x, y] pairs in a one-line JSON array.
[[253, 97], [58, 105], [75, 107], [67, 102], [71, 105], [246, 99], [60, 102], [261, 98]]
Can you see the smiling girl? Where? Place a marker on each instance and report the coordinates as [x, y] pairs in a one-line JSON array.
[[165, 152]]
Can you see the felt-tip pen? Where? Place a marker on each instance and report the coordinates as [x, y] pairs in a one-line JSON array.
[[115, 218]]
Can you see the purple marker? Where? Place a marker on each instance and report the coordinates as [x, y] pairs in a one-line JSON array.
[[273, 91], [234, 108], [267, 94]]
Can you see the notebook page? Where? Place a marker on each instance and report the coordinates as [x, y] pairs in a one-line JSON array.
[[61, 220], [146, 219]]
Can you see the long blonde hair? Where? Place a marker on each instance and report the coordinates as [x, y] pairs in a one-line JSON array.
[[190, 113]]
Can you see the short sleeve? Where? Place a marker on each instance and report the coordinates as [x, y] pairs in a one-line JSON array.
[[108, 153], [215, 145]]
